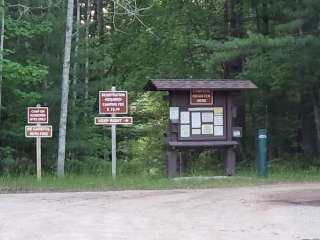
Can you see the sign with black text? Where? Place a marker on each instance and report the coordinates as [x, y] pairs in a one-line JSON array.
[[113, 121]]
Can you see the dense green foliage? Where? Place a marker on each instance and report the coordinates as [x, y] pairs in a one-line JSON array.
[[274, 43]]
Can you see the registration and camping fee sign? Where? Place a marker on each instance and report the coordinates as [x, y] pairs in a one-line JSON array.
[[38, 115], [113, 102]]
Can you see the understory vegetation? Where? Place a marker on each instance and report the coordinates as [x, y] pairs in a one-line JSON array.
[[247, 177]]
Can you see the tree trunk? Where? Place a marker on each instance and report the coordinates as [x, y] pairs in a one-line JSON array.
[[86, 76], [75, 65], [256, 7], [75, 75], [65, 90], [233, 27], [316, 112], [1, 54], [265, 19], [99, 7], [307, 130]]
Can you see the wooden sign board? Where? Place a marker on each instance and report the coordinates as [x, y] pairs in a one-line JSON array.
[[38, 131], [38, 115], [201, 97], [113, 121], [113, 102]]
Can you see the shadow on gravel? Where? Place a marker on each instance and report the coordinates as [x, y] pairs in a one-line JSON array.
[[314, 203], [304, 197]]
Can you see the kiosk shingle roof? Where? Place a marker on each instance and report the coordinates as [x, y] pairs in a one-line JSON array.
[[184, 84]]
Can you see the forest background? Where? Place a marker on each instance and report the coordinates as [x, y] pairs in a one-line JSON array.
[[125, 43]]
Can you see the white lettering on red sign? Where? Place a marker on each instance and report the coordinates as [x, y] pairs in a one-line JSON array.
[[201, 97], [38, 131], [113, 102], [38, 115]]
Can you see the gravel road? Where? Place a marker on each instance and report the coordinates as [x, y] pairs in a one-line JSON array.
[[271, 212]]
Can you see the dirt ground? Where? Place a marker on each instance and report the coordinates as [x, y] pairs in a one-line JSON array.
[[285, 212]]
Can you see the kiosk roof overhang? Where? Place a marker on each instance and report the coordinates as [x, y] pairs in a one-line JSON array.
[[186, 84]]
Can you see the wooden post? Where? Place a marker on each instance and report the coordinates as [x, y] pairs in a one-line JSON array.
[[230, 161], [180, 163], [172, 157], [230, 155], [114, 146]]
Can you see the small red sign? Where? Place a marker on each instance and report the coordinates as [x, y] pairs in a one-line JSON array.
[[113, 121], [113, 102], [38, 115], [38, 131], [201, 97]]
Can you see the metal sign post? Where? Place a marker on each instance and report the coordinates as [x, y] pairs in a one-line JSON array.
[[38, 150], [114, 145]]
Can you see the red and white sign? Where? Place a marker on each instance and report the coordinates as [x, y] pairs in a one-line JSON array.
[[38, 115], [113, 121], [38, 131], [201, 97], [113, 102]]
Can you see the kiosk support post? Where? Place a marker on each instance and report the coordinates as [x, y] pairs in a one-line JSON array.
[[172, 159], [230, 161]]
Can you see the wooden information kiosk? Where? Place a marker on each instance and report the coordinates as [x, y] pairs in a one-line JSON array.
[[202, 115]]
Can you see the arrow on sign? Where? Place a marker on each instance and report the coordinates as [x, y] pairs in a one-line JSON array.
[[113, 120]]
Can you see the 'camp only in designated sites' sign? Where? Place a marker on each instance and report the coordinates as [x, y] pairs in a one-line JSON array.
[[37, 115], [38, 131], [113, 102], [113, 121]]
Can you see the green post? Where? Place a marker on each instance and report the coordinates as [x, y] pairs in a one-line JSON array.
[[262, 153]]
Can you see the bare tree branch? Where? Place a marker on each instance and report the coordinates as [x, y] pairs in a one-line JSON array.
[[131, 9], [24, 9]]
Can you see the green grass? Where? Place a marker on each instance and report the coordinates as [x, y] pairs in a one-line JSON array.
[[105, 183]]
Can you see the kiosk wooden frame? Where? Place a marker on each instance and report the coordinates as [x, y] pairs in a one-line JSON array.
[[198, 126]]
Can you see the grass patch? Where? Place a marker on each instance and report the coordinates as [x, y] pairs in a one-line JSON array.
[[105, 183]]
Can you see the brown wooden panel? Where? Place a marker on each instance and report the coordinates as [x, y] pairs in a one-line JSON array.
[[219, 98], [179, 98]]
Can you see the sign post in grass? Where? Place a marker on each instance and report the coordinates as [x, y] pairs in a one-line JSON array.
[[38, 115], [112, 103]]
